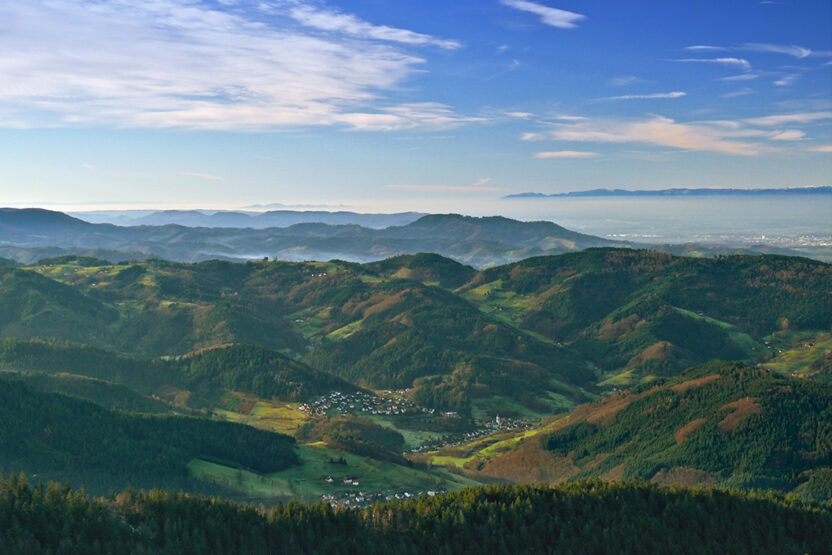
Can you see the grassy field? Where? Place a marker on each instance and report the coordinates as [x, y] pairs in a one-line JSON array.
[[306, 481], [797, 351], [466, 456], [412, 438], [274, 416]]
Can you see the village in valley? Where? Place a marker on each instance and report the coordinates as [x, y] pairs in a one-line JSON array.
[[388, 403]]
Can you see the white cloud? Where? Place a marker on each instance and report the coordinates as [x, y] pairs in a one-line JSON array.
[[482, 182], [519, 115], [328, 20], [789, 50], [566, 154], [659, 131], [787, 80], [724, 61], [788, 135], [422, 115], [705, 48], [532, 137], [674, 94], [785, 119], [187, 63], [740, 77], [824, 148], [561, 19]]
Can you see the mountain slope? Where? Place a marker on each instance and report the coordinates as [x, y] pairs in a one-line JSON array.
[[644, 312], [66, 438], [721, 423]]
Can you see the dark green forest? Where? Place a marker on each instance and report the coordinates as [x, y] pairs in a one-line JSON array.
[[585, 517], [64, 438]]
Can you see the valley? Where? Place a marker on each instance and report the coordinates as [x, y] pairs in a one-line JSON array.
[[418, 373]]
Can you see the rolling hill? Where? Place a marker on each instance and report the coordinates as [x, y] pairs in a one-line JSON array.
[[532, 337], [723, 424], [64, 438]]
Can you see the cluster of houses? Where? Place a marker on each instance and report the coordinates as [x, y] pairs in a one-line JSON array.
[[360, 402], [352, 499]]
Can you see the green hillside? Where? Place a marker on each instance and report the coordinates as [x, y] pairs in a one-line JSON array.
[[199, 377], [534, 337], [637, 313], [65, 438], [104, 393], [578, 518], [722, 424]]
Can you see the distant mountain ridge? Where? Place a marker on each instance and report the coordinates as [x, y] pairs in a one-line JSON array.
[[245, 218], [477, 241], [679, 192]]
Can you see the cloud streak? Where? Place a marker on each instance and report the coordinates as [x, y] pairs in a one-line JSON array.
[[674, 94], [657, 131], [785, 119], [190, 64], [786, 49], [554, 17], [745, 64], [329, 20]]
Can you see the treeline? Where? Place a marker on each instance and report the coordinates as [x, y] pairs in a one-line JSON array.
[[586, 517], [66, 438]]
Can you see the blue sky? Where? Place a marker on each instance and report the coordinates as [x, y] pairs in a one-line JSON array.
[[382, 105]]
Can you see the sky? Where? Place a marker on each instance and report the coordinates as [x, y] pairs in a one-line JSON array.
[[385, 105]]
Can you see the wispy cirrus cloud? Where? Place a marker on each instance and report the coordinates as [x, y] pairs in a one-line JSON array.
[[787, 119], [745, 64], [566, 154], [787, 80], [786, 49], [674, 94], [788, 135], [421, 115], [657, 131], [198, 65], [740, 77], [554, 17], [331, 20]]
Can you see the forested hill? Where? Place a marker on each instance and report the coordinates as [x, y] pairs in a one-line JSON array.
[[589, 517], [63, 438], [724, 424], [532, 337]]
